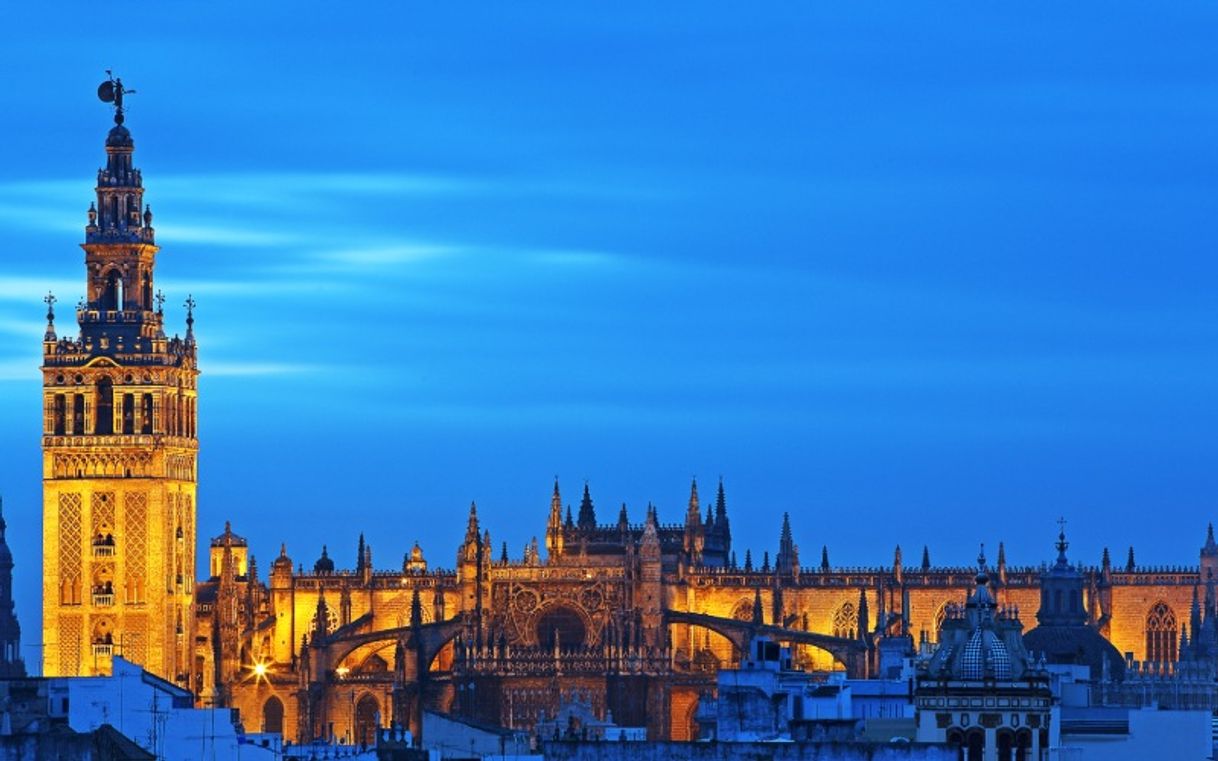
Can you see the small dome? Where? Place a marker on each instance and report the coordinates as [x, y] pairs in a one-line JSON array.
[[984, 652], [1076, 645], [119, 136], [324, 564], [283, 562]]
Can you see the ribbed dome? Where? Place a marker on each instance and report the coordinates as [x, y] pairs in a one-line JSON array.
[[984, 655]]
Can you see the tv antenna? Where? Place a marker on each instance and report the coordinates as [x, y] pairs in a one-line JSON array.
[[112, 91]]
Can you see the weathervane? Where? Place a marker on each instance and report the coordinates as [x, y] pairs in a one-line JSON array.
[[160, 302], [112, 91], [50, 302]]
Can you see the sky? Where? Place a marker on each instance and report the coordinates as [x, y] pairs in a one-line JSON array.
[[916, 273]]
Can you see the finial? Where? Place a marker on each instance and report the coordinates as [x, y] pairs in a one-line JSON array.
[[981, 558], [112, 91], [160, 302], [190, 318], [147, 215]]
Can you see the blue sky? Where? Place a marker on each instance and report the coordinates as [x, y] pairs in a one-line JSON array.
[[916, 273]]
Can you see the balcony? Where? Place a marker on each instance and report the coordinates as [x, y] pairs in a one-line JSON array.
[[103, 550], [103, 650], [103, 600]]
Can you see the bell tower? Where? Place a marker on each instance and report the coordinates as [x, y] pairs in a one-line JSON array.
[[119, 448]]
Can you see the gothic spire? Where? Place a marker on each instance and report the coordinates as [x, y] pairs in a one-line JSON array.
[[824, 557], [925, 558], [1129, 564], [864, 622], [721, 505], [587, 514]]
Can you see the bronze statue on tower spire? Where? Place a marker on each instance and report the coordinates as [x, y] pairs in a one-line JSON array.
[[112, 91]]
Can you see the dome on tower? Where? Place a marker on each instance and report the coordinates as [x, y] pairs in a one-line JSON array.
[[283, 562], [1065, 634], [119, 137], [324, 564], [980, 640]]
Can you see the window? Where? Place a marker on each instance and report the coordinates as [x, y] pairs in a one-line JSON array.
[[845, 621], [128, 414], [1161, 634], [146, 418], [60, 414], [103, 423]]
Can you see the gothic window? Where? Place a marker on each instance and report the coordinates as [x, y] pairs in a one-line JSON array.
[[845, 621], [272, 715], [103, 423], [146, 417], [1161, 634], [60, 414]]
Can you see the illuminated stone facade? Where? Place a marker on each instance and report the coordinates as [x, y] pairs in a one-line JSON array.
[[118, 452], [633, 618]]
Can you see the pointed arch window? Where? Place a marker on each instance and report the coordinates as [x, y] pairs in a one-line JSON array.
[[845, 621], [1161, 634]]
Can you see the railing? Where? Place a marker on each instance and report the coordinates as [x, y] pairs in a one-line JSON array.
[[101, 650], [103, 600], [103, 550]]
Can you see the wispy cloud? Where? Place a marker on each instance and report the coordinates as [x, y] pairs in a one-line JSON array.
[[229, 369]]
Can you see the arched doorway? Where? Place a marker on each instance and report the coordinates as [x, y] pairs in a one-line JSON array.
[[367, 721], [562, 624], [272, 715]]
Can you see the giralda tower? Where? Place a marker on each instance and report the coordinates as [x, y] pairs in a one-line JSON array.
[[119, 449]]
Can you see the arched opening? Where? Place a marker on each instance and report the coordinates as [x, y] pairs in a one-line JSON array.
[[272, 715], [128, 414], [112, 295], [955, 741], [562, 625], [367, 720], [1161, 634], [1006, 745], [103, 423], [147, 291], [1023, 745], [146, 417], [975, 742], [845, 621], [60, 415], [78, 414]]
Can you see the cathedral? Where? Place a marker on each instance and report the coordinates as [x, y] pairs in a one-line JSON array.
[[629, 614]]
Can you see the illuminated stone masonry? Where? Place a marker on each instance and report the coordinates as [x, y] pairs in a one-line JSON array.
[[119, 452], [627, 615]]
